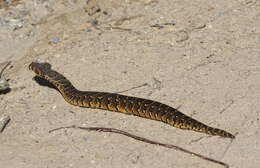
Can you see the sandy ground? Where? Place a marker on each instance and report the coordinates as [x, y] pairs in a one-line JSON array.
[[201, 55]]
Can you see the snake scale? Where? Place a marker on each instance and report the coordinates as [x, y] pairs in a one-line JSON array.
[[120, 103]]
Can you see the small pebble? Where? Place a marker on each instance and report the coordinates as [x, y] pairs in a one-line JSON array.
[[55, 40], [3, 84], [15, 24], [8, 1], [92, 7], [181, 36], [54, 107], [41, 60]]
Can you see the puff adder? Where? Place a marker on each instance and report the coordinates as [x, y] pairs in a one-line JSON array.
[[120, 103]]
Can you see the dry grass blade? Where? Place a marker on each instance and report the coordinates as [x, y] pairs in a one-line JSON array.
[[117, 131], [4, 85], [6, 65], [4, 120]]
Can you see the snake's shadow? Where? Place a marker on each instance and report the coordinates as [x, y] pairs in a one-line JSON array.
[[44, 82], [5, 91]]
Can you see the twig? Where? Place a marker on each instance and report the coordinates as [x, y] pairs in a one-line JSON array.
[[4, 120], [117, 28], [224, 153], [135, 87], [4, 85], [2, 71], [117, 131], [225, 108]]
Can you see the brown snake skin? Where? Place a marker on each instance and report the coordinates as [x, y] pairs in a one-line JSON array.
[[121, 103]]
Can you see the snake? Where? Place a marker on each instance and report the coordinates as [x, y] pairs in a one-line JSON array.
[[141, 107]]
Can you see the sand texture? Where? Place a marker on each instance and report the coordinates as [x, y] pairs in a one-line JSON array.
[[201, 56]]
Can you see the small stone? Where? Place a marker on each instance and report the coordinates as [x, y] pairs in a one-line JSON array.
[[181, 36], [41, 60], [55, 40], [54, 107], [8, 1], [15, 24], [92, 7], [3, 84]]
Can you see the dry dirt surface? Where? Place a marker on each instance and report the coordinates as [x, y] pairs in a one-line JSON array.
[[201, 55]]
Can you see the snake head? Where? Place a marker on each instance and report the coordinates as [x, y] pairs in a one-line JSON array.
[[40, 69]]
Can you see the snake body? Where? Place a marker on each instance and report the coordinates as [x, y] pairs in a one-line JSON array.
[[120, 103]]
